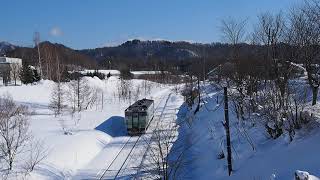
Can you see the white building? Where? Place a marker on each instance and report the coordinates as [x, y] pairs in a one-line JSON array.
[[10, 69], [11, 60]]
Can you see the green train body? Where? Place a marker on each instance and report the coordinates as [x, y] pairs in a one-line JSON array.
[[138, 116]]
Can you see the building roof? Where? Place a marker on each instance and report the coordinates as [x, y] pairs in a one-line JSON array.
[[6, 60], [140, 105]]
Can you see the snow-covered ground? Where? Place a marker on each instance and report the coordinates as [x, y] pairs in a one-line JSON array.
[[94, 139], [254, 154], [101, 134]]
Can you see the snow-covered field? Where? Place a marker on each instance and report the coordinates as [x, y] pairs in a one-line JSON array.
[[94, 139], [254, 154], [89, 152]]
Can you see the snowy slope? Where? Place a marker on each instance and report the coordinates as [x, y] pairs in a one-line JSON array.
[[255, 156]]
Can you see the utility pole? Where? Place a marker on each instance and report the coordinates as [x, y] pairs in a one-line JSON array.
[[199, 90], [204, 65], [227, 127], [199, 96], [78, 92]]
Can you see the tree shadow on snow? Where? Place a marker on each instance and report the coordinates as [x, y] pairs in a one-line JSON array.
[[114, 126]]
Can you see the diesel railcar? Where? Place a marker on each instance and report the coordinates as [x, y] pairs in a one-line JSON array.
[[138, 116]]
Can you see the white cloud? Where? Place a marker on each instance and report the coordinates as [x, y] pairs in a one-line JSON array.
[[56, 32]]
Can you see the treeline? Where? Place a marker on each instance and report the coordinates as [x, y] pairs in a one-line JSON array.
[[176, 57], [273, 84], [52, 56]]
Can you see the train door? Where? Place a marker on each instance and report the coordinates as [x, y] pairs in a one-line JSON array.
[[142, 121], [135, 121], [129, 121]]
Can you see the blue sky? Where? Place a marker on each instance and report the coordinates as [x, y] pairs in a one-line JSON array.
[[96, 23]]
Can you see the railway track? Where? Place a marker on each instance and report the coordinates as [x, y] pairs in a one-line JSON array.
[[120, 162]]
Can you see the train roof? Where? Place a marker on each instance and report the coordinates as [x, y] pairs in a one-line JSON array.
[[140, 105]]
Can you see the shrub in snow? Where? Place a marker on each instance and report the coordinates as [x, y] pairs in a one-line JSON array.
[[189, 94], [221, 155], [96, 73], [301, 175]]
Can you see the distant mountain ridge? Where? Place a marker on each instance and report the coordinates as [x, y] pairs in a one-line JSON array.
[[135, 54], [50, 52], [6, 47], [157, 49]]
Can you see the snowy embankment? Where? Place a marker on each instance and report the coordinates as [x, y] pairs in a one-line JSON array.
[[92, 129], [254, 154]]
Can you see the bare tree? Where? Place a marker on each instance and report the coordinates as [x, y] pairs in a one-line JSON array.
[[36, 154], [157, 162], [58, 92], [57, 98], [80, 94], [305, 25], [124, 88], [15, 70], [233, 32], [13, 129], [5, 72], [36, 40]]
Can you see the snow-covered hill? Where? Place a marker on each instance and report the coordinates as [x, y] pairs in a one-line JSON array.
[[254, 154], [5, 47]]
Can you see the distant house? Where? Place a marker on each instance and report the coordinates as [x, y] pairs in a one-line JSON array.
[[9, 69]]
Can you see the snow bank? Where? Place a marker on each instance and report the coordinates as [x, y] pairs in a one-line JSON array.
[[75, 151], [95, 82], [39, 93], [303, 175], [255, 156]]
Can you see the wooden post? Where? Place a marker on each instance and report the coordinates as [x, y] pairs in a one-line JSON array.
[[199, 91], [226, 117], [78, 92], [102, 100]]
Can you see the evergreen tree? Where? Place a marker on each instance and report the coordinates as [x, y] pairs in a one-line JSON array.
[[29, 75]]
